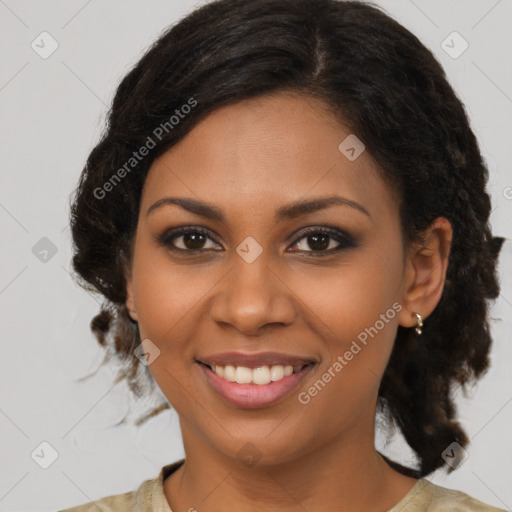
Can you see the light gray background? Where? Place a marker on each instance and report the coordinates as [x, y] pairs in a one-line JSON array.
[[52, 112]]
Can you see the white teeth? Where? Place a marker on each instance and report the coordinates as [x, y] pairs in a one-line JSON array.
[[261, 376], [276, 372], [229, 373], [243, 375]]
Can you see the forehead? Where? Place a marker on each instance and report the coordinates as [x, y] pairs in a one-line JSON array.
[[264, 152]]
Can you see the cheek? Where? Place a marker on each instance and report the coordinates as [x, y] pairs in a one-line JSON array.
[[168, 299], [166, 293], [353, 307], [355, 316], [346, 299]]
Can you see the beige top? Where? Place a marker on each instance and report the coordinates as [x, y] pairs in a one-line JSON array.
[[149, 497]]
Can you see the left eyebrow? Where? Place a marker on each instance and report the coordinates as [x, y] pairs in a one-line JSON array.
[[298, 208], [289, 211]]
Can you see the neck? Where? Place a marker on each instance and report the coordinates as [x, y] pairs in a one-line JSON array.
[[345, 475]]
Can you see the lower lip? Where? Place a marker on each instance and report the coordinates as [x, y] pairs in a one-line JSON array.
[[253, 396]]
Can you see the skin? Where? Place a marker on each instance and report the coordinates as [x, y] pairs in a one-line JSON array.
[[249, 159]]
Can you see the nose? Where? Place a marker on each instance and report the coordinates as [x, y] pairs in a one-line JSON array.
[[253, 296]]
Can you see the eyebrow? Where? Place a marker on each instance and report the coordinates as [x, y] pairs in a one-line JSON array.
[[289, 211]]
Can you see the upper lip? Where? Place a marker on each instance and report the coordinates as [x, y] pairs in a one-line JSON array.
[[254, 360]]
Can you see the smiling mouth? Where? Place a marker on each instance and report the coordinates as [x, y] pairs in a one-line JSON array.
[[260, 375], [258, 386]]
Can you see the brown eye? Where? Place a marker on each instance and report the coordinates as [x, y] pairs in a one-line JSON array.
[[323, 241], [318, 242], [192, 239]]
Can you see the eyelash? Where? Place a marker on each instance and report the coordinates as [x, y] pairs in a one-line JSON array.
[[345, 240]]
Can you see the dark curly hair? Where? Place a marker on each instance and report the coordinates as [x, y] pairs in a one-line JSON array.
[[389, 90]]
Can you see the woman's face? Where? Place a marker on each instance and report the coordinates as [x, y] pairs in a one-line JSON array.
[[253, 289]]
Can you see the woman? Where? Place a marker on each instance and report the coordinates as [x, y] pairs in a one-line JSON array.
[[288, 219]]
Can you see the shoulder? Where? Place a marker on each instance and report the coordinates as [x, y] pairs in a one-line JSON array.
[[455, 501], [426, 496], [148, 497], [115, 503]]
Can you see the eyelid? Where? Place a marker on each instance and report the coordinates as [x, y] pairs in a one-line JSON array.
[[344, 239], [167, 236]]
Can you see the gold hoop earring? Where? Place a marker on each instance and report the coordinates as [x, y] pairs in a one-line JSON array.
[[419, 324]]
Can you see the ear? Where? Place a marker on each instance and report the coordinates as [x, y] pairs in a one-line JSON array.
[[130, 301], [425, 272]]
